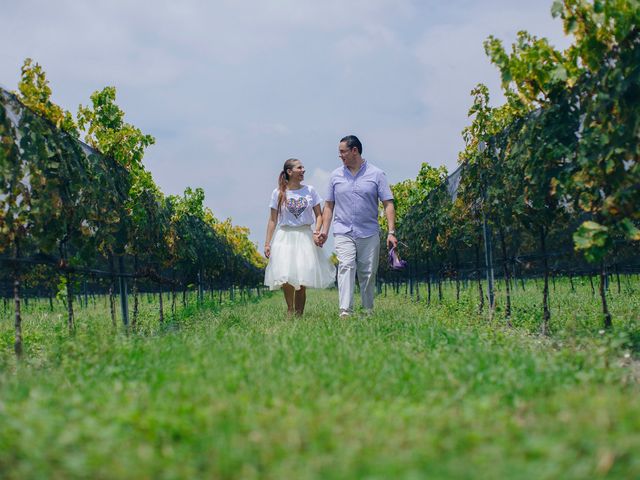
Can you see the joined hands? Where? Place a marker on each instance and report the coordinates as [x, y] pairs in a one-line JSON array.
[[319, 238]]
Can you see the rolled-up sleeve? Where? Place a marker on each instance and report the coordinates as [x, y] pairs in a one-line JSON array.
[[330, 197], [384, 191]]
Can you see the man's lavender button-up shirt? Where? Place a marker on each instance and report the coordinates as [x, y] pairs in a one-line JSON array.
[[356, 200]]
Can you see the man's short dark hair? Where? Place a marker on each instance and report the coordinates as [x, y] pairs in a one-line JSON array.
[[352, 141]]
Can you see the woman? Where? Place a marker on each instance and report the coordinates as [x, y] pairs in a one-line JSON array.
[[295, 260]]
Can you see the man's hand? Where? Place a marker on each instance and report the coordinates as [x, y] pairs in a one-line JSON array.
[[323, 237], [392, 241], [319, 238]]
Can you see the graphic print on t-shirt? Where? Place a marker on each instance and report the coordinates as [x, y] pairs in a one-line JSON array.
[[297, 206]]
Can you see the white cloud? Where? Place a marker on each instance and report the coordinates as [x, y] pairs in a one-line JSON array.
[[319, 179], [269, 129]]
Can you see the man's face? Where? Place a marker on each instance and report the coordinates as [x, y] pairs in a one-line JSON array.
[[348, 155]]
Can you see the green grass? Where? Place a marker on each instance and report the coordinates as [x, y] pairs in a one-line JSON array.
[[410, 392]]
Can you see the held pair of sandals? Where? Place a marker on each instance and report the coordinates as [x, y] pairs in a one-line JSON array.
[[395, 262]]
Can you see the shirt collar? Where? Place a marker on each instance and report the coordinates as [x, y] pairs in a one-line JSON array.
[[361, 169]]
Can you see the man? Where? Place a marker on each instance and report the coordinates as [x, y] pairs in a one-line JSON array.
[[352, 203]]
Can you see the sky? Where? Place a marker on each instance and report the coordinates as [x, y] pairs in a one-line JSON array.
[[231, 89]]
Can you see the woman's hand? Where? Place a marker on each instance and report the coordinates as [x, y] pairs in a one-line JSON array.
[[319, 238], [267, 250]]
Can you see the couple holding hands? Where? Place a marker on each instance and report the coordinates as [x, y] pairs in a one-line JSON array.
[[296, 261]]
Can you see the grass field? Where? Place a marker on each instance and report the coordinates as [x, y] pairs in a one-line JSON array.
[[410, 392]]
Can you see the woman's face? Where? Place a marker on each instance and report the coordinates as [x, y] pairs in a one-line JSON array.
[[296, 172]]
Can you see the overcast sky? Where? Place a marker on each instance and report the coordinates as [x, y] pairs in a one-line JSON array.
[[231, 89]]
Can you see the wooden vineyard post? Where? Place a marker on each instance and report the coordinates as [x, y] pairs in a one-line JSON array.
[[17, 345], [124, 298]]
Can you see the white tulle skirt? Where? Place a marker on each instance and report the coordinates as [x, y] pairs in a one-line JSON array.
[[296, 260]]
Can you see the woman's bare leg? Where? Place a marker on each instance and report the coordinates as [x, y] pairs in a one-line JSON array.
[[289, 293], [301, 299]]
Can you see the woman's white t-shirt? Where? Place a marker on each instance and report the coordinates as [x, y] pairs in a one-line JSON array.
[[297, 208]]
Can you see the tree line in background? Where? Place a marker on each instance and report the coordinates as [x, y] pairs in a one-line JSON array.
[[68, 209], [555, 167]]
